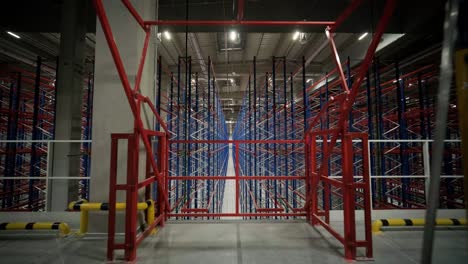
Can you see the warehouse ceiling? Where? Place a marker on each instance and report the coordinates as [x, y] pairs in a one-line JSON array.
[[45, 15], [39, 23]]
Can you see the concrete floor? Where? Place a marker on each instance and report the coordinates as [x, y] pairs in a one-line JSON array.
[[233, 242]]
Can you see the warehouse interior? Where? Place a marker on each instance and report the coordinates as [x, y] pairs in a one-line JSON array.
[[233, 131]]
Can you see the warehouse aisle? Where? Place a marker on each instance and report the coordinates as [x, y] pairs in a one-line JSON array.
[[229, 202], [236, 242]]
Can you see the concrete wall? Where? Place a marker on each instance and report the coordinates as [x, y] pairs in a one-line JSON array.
[[111, 111]]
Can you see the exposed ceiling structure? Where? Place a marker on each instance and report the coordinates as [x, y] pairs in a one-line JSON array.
[[233, 66], [232, 62]]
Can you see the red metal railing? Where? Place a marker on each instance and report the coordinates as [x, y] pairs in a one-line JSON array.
[[238, 178], [156, 173], [132, 185], [355, 194]]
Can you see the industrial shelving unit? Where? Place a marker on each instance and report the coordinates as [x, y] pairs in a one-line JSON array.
[[395, 108], [269, 113], [27, 116], [194, 113]]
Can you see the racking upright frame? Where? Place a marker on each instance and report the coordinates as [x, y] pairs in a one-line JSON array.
[[25, 152], [157, 172]]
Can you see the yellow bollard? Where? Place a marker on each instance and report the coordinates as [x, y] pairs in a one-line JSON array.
[[377, 225], [150, 212], [84, 207], [63, 228]]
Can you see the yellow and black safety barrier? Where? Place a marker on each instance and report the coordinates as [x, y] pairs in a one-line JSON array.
[[84, 207], [63, 228], [378, 224]]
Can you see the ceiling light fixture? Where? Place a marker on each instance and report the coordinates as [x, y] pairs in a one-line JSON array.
[[363, 36], [13, 34], [167, 35], [296, 35], [232, 35]]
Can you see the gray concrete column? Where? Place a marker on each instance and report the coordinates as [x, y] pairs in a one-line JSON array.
[[70, 83], [111, 111]]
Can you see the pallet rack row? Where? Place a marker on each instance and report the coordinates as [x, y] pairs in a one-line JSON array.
[[270, 112], [396, 108], [27, 124], [193, 111]]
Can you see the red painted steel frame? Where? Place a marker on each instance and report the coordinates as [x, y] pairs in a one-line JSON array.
[[132, 185], [157, 173], [348, 187], [190, 212]]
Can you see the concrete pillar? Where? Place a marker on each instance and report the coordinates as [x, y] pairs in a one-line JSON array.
[[70, 83], [111, 111]]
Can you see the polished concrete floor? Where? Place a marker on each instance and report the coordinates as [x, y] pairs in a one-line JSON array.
[[233, 242]]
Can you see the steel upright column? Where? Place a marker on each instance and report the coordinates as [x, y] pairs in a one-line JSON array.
[[305, 103], [33, 170], [12, 131], [66, 156], [400, 89]]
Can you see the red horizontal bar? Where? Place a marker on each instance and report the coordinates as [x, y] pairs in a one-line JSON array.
[[279, 141], [234, 214], [155, 133], [146, 182], [195, 210], [234, 178], [333, 182], [237, 22], [269, 210], [302, 209]]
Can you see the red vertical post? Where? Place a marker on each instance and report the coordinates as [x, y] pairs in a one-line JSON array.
[[348, 197], [162, 169], [327, 152], [367, 194], [112, 199], [240, 10], [166, 173], [131, 197], [307, 160], [236, 145], [314, 180]]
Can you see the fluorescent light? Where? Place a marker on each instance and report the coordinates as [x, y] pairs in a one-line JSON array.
[[233, 35], [167, 35], [13, 34], [296, 35], [363, 36]]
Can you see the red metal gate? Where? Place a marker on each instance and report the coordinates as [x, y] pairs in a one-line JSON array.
[[156, 173], [352, 187], [239, 179]]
